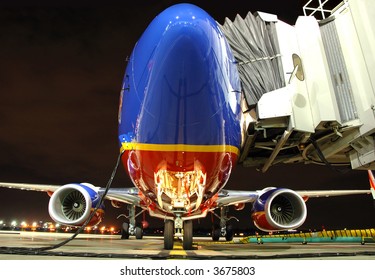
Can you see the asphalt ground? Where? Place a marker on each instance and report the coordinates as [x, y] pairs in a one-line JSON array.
[[34, 245]]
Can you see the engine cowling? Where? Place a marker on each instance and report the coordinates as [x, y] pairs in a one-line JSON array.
[[279, 209], [73, 204]]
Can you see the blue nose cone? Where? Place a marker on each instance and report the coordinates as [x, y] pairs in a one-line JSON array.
[[181, 41], [181, 72]]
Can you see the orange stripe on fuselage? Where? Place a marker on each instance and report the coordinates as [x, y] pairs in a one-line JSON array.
[[178, 148]]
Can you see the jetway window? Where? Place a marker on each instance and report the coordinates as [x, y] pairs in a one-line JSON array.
[[339, 73]]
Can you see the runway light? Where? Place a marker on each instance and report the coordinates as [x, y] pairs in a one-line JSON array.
[[51, 227], [102, 229]]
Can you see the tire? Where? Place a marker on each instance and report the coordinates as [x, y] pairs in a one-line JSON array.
[[216, 232], [168, 234], [125, 231], [138, 233], [188, 235], [229, 235]]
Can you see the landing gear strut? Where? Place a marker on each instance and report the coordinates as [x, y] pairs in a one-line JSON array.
[[131, 228], [224, 229]]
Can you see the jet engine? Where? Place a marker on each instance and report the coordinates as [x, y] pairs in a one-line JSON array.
[[279, 209], [73, 204]]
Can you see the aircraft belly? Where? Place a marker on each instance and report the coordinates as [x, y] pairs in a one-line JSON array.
[[178, 177]]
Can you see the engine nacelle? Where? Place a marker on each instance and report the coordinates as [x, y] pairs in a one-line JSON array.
[[73, 204], [279, 209]]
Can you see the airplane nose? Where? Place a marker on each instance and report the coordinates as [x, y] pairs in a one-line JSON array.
[[188, 40], [183, 55], [191, 28], [185, 79], [185, 63]]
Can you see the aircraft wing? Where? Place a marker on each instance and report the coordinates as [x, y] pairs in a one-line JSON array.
[[30, 187], [231, 197], [330, 193], [124, 195], [225, 198]]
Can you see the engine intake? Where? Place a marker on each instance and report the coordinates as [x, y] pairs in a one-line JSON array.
[[72, 204], [279, 209]]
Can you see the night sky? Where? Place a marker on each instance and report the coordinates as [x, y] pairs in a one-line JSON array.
[[61, 69]]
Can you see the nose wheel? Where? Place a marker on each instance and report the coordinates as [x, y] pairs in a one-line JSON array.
[[172, 229], [188, 235], [168, 234]]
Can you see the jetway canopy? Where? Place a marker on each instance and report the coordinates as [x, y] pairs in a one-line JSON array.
[[255, 46], [309, 88]]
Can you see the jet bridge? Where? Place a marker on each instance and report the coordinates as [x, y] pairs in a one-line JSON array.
[[308, 89]]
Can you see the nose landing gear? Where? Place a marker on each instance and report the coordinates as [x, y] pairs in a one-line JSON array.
[[178, 228]]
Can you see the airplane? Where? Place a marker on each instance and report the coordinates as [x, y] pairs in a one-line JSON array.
[[180, 136]]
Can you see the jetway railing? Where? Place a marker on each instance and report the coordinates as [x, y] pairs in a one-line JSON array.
[[320, 9]]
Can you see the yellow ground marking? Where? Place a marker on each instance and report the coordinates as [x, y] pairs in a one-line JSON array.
[[178, 250]]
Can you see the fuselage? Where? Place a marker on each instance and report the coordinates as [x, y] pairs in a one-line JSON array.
[[179, 115]]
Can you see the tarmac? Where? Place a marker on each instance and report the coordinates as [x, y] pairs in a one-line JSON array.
[[23, 245]]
